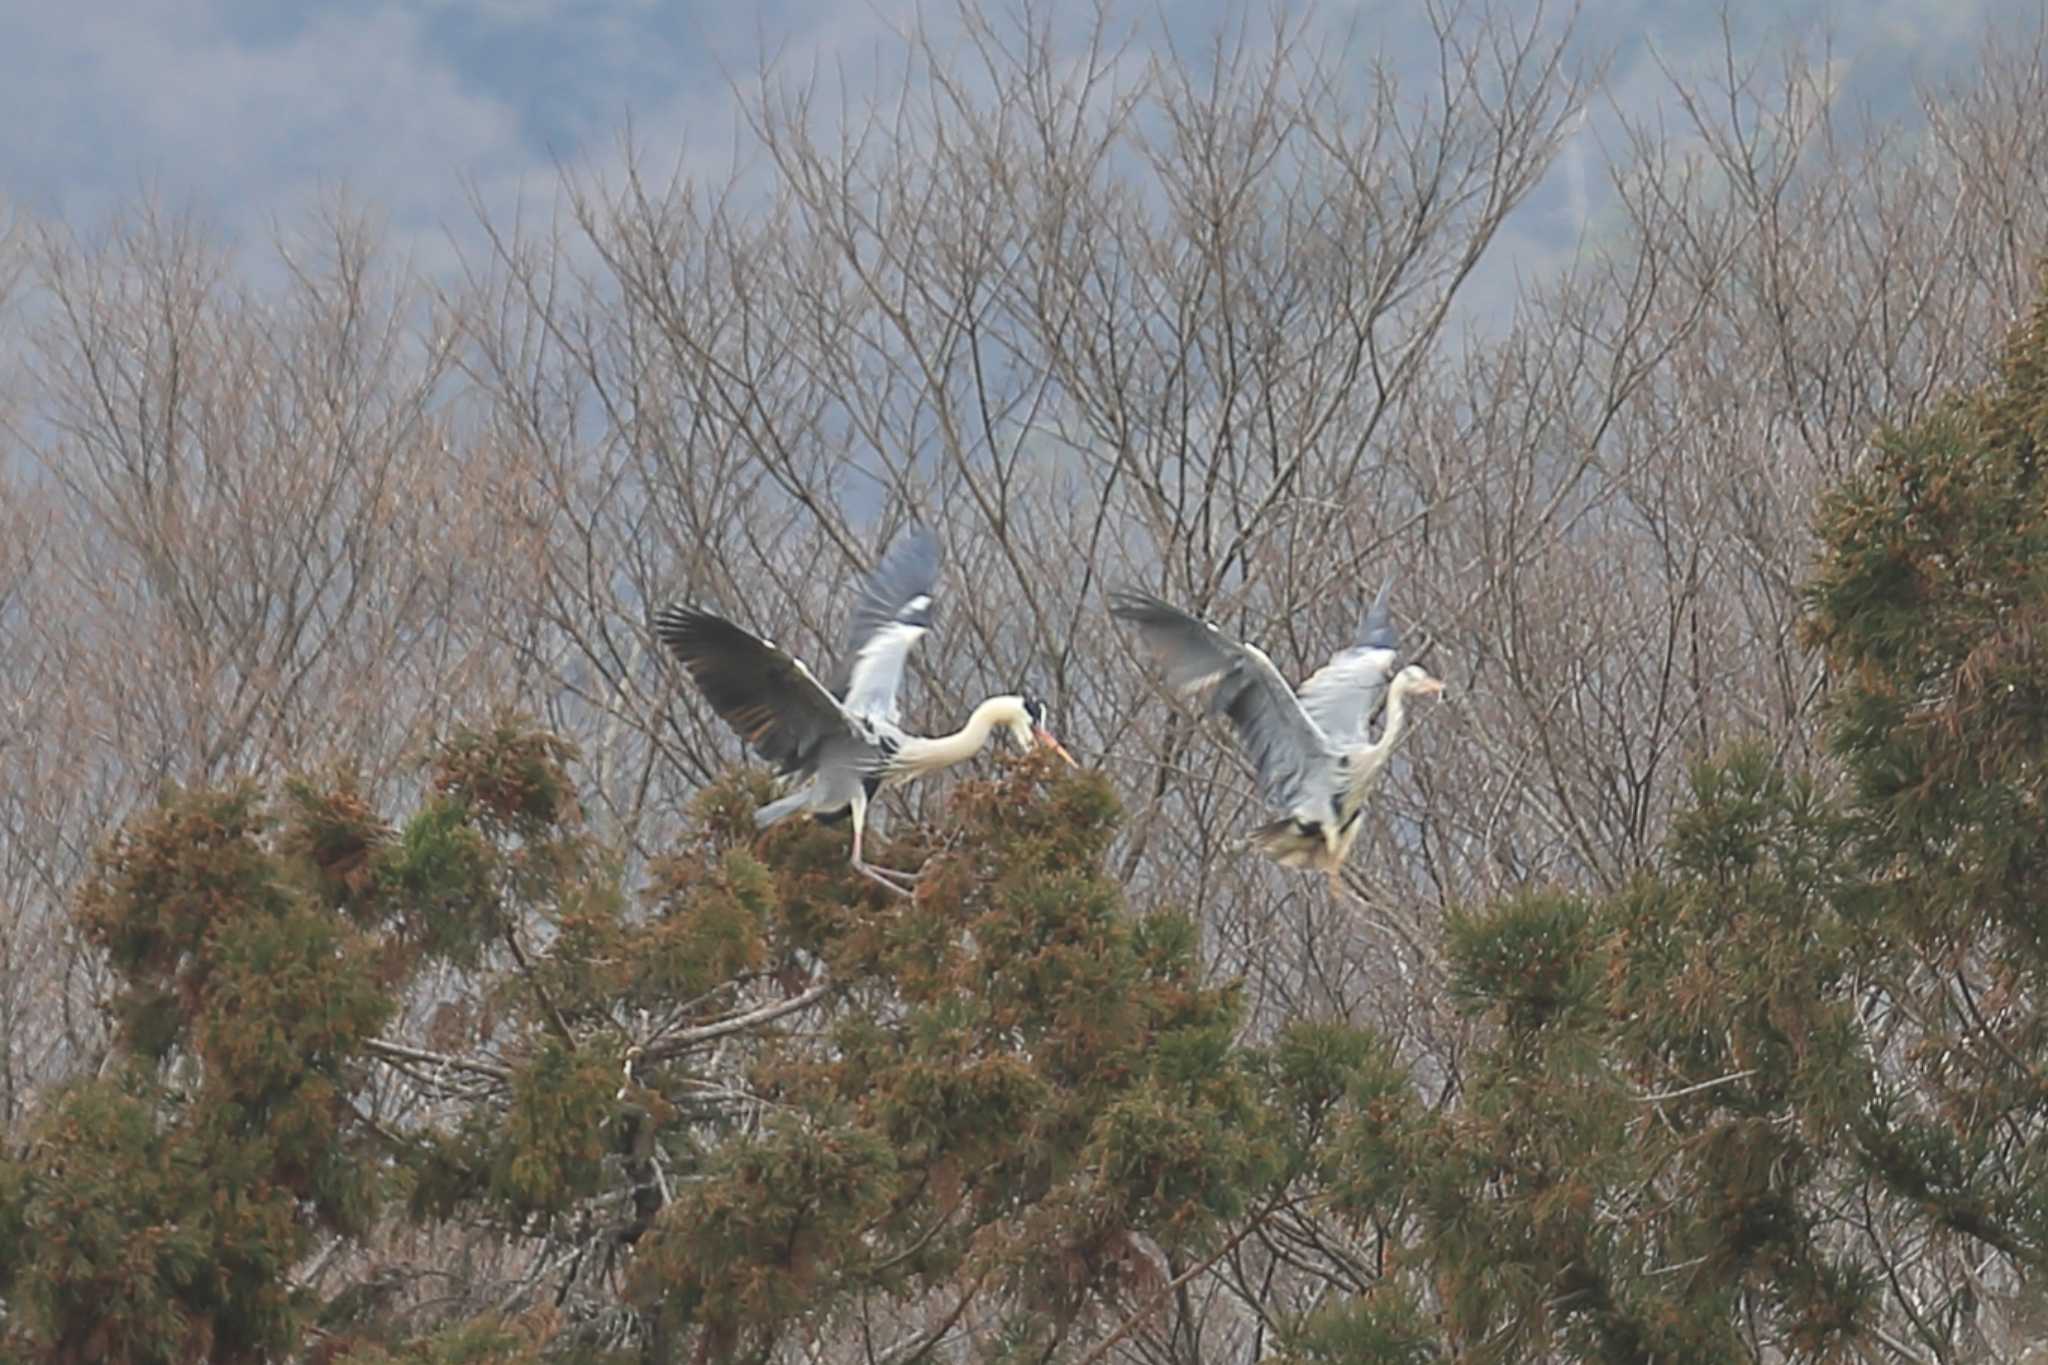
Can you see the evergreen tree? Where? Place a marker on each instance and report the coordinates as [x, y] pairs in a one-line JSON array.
[[162, 1205], [465, 1086], [761, 1099], [1786, 1096], [1928, 601]]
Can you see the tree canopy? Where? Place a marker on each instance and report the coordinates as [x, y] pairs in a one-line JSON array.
[[466, 1083], [391, 971]]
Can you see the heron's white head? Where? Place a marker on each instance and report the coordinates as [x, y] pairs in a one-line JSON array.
[[1417, 681], [1024, 718]]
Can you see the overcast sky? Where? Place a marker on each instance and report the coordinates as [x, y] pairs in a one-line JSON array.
[[246, 109]]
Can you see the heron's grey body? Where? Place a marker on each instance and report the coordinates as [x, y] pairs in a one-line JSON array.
[[1311, 750], [841, 748], [836, 748]]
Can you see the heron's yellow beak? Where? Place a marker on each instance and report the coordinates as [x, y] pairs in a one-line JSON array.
[[1044, 736], [1430, 687]]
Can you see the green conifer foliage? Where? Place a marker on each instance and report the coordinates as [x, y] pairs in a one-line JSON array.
[[460, 1084], [1014, 1079], [1929, 603], [757, 1101], [1639, 1156], [1786, 1096], [164, 1203]]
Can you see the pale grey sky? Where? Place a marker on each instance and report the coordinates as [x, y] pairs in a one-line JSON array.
[[246, 110]]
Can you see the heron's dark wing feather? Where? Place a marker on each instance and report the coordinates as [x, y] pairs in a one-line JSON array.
[[1284, 744], [1345, 694], [764, 692], [1194, 653], [892, 613]]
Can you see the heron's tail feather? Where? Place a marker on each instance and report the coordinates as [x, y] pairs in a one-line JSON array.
[[783, 807], [1288, 842]]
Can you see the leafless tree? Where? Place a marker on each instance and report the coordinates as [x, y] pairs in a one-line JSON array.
[[247, 538], [1102, 309], [1194, 322]]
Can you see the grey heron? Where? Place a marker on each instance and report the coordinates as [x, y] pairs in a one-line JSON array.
[[843, 747], [1309, 750]]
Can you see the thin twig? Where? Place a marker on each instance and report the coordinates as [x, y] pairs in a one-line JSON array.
[[1159, 1296], [918, 1345], [400, 1052], [554, 1016], [739, 1023], [1690, 1089]]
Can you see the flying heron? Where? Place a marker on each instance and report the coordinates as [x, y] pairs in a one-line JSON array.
[[1309, 750], [844, 746]]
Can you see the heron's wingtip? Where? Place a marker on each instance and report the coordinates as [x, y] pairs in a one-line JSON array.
[[1377, 630], [671, 615], [1128, 603], [917, 543]]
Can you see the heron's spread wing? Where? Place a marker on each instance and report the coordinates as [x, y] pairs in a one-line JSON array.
[[764, 692], [1345, 694], [894, 610], [1287, 750]]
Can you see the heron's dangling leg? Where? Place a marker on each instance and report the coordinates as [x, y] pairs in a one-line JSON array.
[[1339, 891], [1337, 843], [1334, 869], [896, 874], [872, 873]]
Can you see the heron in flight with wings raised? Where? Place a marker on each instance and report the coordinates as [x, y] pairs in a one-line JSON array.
[[1309, 750], [843, 747]]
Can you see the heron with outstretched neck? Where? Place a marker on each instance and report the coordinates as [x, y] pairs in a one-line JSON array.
[[1309, 750], [843, 748]]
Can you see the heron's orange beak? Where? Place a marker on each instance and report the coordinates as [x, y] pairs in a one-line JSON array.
[[1044, 736], [1431, 687]]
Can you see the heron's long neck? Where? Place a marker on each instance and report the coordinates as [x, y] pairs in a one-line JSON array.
[[941, 751], [1369, 763], [1397, 718]]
